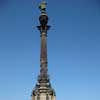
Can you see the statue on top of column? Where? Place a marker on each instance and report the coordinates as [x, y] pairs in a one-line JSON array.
[[42, 6]]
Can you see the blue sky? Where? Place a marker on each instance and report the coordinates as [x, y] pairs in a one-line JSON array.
[[73, 48]]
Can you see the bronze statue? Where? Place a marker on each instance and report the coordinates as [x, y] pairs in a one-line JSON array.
[[42, 6]]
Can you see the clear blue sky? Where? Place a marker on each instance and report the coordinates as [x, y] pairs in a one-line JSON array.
[[73, 48]]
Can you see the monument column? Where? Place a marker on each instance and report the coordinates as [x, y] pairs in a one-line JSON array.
[[43, 89]]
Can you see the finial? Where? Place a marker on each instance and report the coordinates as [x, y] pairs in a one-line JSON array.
[[42, 6]]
